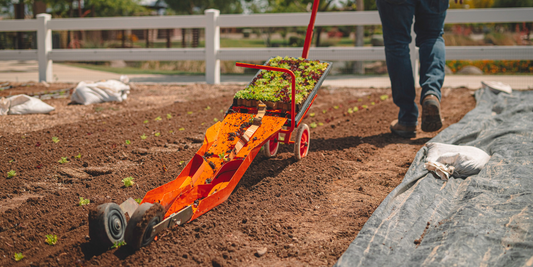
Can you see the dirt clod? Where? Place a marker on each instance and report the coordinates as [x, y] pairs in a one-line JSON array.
[[260, 252]]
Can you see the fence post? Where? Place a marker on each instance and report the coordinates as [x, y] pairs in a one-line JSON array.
[[414, 55], [44, 46], [212, 45]]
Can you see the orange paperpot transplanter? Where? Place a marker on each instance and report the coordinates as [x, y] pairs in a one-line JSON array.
[[228, 149]]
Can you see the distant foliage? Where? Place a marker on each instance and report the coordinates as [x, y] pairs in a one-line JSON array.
[[494, 66]]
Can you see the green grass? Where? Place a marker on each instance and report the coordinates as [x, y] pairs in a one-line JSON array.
[[131, 70]]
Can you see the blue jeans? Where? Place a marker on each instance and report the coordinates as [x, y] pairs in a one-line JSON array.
[[396, 19]]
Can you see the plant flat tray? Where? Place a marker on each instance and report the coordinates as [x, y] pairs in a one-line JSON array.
[[282, 106]]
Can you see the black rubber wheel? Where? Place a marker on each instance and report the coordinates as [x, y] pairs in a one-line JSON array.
[[301, 145], [270, 148], [107, 225], [139, 232]]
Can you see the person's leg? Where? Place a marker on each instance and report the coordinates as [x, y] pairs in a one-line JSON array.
[[396, 19], [429, 24]]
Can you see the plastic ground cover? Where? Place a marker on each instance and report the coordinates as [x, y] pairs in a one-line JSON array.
[[482, 220]]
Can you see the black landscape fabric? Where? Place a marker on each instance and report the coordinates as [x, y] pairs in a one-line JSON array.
[[483, 220]]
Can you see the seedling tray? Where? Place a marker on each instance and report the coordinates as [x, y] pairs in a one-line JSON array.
[[281, 108]]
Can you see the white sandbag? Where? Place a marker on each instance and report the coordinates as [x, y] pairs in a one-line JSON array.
[[465, 160], [4, 106], [23, 104], [497, 87], [92, 93]]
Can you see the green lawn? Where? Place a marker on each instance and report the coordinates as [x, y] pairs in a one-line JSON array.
[[131, 70], [248, 42]]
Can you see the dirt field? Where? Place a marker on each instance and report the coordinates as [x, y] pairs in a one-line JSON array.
[[302, 213]]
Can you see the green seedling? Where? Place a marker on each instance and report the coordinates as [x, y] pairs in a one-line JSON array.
[[360, 100], [138, 200], [169, 116], [208, 108], [23, 137], [119, 244], [51, 239], [128, 142], [11, 174], [202, 123], [189, 112], [78, 156], [104, 122], [145, 121], [171, 131], [143, 137], [365, 106], [18, 256], [128, 181], [215, 119], [312, 114], [182, 129], [372, 103], [320, 124], [350, 111], [313, 125], [55, 139], [63, 160], [221, 111], [157, 134], [336, 107], [84, 201], [384, 97], [355, 109], [158, 119], [181, 162], [98, 109], [324, 111], [11, 161]]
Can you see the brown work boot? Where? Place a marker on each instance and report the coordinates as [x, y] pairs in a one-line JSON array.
[[431, 119], [402, 130]]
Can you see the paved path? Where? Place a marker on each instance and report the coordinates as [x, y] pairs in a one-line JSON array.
[[15, 71]]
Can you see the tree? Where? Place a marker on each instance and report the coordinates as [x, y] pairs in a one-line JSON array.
[[191, 7]]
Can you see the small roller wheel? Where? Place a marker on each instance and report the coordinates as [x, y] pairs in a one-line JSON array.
[[301, 146], [139, 232], [107, 225], [270, 148]]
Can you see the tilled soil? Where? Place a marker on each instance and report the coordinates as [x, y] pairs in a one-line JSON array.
[[283, 212]]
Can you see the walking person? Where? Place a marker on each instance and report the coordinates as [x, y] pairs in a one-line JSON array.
[[396, 19]]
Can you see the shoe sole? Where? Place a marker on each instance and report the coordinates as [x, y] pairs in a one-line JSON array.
[[431, 119], [406, 134]]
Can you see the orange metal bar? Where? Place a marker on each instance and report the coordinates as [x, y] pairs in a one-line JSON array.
[[310, 29], [263, 67]]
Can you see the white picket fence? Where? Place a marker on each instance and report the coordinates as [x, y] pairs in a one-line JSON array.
[[212, 21]]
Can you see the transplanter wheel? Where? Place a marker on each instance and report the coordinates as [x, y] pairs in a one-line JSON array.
[[270, 148], [139, 232], [107, 224], [301, 146]]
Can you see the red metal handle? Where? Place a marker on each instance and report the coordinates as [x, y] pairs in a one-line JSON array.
[[263, 67], [310, 29]]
